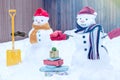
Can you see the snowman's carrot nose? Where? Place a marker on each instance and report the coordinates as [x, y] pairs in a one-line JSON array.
[[82, 21]]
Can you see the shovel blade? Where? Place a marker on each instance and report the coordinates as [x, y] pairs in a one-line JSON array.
[[13, 57]]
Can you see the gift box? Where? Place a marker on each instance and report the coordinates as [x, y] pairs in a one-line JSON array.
[[58, 35], [54, 54], [53, 63]]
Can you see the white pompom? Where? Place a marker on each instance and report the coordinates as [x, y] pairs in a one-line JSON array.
[[95, 13]]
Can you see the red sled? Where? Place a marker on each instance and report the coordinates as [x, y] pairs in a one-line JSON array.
[[53, 63]]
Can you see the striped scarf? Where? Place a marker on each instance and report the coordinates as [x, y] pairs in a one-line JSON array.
[[94, 40]]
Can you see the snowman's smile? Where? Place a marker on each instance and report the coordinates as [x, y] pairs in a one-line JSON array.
[[83, 24]]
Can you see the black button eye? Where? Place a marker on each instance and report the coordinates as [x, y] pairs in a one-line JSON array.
[[41, 20], [83, 36], [86, 19], [80, 18]]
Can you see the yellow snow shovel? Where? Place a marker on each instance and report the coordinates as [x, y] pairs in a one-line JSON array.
[[13, 56]]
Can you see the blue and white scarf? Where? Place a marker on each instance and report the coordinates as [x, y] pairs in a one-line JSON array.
[[94, 38]]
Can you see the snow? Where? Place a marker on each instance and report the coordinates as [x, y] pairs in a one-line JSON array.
[[33, 56]]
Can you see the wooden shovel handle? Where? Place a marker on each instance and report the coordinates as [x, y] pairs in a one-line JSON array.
[[12, 13]]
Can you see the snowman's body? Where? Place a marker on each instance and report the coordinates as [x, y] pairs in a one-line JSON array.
[[43, 30], [83, 45], [43, 35]]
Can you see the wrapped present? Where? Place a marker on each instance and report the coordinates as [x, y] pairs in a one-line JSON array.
[[114, 33], [58, 62], [58, 35], [54, 53]]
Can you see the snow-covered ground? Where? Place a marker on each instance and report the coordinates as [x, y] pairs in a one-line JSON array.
[[33, 56]]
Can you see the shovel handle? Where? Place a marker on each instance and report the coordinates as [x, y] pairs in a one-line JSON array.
[[12, 13]]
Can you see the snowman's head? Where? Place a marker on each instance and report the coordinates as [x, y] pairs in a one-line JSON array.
[[86, 17], [40, 17], [40, 20]]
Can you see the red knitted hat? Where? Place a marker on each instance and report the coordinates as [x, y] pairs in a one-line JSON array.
[[87, 10], [41, 12]]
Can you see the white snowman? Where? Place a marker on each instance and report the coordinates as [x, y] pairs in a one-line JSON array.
[[41, 30], [88, 37]]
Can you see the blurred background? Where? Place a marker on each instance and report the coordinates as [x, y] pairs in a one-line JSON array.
[[62, 14]]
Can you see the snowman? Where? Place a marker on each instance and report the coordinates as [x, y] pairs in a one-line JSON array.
[[89, 37], [41, 30]]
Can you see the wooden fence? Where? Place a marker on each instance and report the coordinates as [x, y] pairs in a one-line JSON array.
[[62, 14], [23, 19]]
